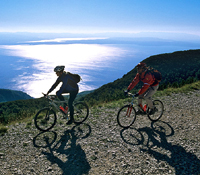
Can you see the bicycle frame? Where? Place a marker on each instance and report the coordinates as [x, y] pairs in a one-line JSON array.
[[127, 114], [146, 111], [54, 103], [133, 97], [132, 103], [46, 118]]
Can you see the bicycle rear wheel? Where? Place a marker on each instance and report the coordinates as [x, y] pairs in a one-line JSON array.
[[81, 112], [45, 119], [126, 116], [158, 112]]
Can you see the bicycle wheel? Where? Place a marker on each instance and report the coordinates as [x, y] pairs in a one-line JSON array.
[[126, 116], [45, 119], [81, 112], [158, 112]]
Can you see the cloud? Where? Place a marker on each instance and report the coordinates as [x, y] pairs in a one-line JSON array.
[[64, 39]]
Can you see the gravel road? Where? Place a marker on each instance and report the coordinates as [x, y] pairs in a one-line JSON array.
[[101, 146]]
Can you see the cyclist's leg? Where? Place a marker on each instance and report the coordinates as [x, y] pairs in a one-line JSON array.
[[140, 107], [148, 95], [61, 98], [72, 97]]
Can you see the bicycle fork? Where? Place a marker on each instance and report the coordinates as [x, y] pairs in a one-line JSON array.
[[128, 112]]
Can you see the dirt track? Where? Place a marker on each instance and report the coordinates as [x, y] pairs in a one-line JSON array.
[[100, 146]]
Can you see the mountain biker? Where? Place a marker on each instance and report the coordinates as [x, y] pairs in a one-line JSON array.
[[148, 89], [68, 86]]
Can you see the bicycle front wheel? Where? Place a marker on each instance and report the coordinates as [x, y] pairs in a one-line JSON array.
[[81, 112], [45, 119], [158, 111], [126, 116]]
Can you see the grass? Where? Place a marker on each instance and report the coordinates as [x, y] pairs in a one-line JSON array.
[[184, 89], [3, 130]]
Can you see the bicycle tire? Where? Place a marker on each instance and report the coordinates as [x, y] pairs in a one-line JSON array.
[[81, 112], [45, 119], [158, 114], [126, 116]]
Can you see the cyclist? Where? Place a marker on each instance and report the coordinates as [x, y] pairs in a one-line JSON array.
[[148, 89], [68, 86]]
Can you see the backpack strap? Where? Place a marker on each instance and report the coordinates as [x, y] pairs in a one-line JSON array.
[[147, 71]]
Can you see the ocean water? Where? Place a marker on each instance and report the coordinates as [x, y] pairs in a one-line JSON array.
[[28, 66]]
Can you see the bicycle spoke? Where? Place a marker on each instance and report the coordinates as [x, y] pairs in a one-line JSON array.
[[81, 112], [158, 111], [45, 119], [126, 116]]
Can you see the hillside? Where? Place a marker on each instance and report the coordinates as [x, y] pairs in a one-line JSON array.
[[12, 95], [19, 109], [177, 68]]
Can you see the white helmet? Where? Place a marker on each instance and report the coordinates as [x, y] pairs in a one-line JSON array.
[[59, 68]]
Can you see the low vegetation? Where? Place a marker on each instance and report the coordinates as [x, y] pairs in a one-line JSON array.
[[20, 109], [3, 129]]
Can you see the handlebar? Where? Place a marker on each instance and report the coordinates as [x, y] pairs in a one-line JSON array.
[[44, 94], [49, 97], [130, 94]]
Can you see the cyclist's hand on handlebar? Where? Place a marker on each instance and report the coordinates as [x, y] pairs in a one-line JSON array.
[[136, 95], [44, 94], [126, 92]]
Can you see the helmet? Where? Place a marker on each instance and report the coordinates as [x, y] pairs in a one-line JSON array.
[[59, 68], [141, 65]]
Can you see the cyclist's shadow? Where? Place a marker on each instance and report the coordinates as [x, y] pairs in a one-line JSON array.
[[184, 162], [66, 153]]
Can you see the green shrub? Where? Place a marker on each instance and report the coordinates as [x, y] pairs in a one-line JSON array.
[[3, 130]]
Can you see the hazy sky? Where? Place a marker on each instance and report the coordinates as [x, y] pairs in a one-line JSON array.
[[100, 16]]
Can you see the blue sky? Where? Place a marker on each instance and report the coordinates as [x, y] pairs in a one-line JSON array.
[[90, 16]]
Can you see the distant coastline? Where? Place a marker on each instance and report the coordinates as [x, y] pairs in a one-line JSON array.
[[22, 70]]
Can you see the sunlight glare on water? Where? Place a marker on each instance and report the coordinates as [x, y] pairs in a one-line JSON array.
[[77, 58]]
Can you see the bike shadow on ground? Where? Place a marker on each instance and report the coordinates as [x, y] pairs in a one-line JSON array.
[[65, 151], [153, 140]]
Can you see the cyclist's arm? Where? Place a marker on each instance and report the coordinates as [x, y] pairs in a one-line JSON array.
[[134, 82], [148, 80], [144, 88], [54, 86]]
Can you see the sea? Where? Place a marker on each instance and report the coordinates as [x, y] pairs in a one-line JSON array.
[[27, 65]]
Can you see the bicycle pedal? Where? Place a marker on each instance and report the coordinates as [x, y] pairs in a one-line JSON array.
[[140, 113], [62, 112]]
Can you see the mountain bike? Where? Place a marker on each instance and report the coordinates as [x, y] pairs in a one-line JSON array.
[[46, 118], [127, 114]]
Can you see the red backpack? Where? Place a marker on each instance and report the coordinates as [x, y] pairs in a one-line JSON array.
[[156, 74]]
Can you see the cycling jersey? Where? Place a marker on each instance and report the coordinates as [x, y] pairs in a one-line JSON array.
[[68, 84], [148, 80]]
